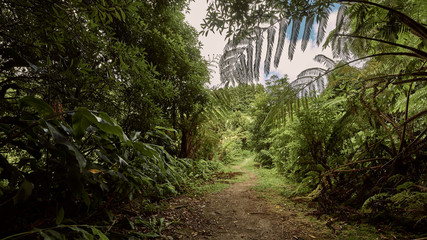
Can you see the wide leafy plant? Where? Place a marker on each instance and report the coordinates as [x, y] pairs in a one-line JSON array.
[[57, 165]]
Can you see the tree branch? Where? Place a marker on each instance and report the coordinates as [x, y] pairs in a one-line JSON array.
[[417, 28]]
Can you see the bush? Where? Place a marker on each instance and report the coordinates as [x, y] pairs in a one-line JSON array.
[[64, 165]]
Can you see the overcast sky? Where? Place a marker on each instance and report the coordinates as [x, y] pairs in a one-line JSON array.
[[214, 44]]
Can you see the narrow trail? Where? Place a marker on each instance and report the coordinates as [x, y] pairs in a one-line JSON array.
[[239, 212]]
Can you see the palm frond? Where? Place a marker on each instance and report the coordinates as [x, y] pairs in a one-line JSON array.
[[270, 40], [283, 26], [307, 31], [294, 37]]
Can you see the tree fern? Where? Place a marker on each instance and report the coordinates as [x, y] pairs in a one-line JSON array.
[[362, 14], [234, 49]]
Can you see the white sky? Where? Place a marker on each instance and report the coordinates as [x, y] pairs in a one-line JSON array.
[[214, 44]]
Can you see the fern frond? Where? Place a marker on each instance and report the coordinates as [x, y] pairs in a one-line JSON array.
[[294, 37], [270, 40], [250, 53], [320, 58], [340, 18], [330, 39], [417, 28], [258, 49], [323, 22], [244, 68], [228, 62], [283, 26], [320, 84], [312, 72], [301, 83], [307, 31]]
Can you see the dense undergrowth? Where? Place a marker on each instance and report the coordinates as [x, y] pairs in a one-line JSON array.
[[340, 156], [103, 105], [334, 152], [353, 139], [83, 170]]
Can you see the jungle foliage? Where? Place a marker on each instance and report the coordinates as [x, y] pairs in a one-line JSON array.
[[353, 139], [103, 103]]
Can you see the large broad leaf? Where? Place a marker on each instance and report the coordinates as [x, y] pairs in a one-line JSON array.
[[85, 234], [39, 105], [80, 124], [115, 128], [83, 118], [60, 216], [98, 233], [24, 192], [59, 138], [145, 149]]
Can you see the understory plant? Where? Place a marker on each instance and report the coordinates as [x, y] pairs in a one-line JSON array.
[[61, 167]]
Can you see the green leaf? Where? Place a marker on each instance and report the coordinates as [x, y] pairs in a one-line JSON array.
[[24, 192], [98, 233], [39, 105], [122, 14], [80, 124], [166, 129], [51, 234], [60, 216], [86, 198], [61, 139], [145, 149], [83, 118], [86, 235], [122, 162]]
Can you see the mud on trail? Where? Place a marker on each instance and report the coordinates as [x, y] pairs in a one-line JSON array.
[[238, 212]]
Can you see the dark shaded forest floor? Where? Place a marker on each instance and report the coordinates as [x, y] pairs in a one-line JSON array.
[[240, 212]]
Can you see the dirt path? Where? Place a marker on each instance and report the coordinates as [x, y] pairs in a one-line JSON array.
[[237, 212]]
